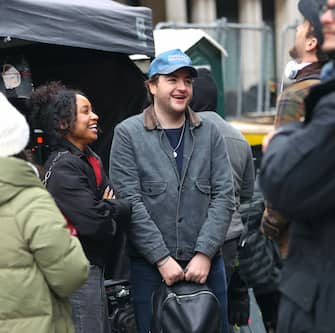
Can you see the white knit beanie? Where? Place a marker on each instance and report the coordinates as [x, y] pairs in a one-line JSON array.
[[14, 129]]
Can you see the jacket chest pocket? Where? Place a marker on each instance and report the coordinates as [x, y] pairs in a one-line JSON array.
[[203, 186], [153, 188]]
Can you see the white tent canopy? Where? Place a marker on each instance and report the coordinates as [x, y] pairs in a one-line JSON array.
[[184, 39]]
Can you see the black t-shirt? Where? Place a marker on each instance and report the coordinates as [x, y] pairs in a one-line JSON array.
[[176, 138]]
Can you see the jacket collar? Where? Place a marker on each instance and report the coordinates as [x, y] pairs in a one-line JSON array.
[[310, 72], [151, 122], [66, 145]]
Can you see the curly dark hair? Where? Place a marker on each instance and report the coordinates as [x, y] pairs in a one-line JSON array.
[[54, 110]]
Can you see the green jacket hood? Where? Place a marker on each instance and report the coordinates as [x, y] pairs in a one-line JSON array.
[[15, 175]]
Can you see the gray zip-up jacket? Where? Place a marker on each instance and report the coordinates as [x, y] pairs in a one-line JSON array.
[[173, 215]]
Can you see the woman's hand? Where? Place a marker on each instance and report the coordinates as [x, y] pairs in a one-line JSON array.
[[108, 194]]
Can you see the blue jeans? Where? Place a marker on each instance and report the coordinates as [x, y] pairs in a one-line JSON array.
[[89, 304], [145, 278]]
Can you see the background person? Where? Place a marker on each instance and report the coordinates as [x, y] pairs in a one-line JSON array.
[[240, 155], [308, 59], [204, 101], [297, 177], [305, 66]]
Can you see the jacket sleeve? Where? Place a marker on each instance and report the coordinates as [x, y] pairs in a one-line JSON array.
[[58, 255], [144, 234], [298, 167], [91, 216], [222, 203]]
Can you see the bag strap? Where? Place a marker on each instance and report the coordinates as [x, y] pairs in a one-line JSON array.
[[48, 173], [73, 230]]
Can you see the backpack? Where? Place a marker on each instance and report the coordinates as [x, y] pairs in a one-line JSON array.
[[185, 307]]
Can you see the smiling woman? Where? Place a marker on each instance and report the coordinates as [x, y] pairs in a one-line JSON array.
[[77, 181], [85, 129]]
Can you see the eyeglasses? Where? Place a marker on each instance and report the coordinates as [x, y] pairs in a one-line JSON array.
[[324, 8]]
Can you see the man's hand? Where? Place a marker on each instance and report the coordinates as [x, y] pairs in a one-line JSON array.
[[198, 268], [269, 225], [273, 224], [170, 271]]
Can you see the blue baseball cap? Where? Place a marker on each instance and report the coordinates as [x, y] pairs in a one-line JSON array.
[[170, 61]]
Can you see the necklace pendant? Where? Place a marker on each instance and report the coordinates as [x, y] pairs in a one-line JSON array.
[[175, 154]]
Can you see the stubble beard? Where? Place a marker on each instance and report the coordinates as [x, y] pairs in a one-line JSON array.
[[293, 52]]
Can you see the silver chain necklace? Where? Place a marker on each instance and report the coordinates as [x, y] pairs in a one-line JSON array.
[[179, 142]]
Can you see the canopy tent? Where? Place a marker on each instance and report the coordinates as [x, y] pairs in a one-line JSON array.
[[94, 24]]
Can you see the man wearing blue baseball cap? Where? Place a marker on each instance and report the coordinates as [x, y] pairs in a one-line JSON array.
[[174, 169]]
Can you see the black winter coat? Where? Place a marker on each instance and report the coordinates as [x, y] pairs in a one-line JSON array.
[[73, 185], [297, 177]]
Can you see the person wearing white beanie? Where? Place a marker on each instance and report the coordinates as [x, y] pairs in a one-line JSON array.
[[14, 129], [41, 264]]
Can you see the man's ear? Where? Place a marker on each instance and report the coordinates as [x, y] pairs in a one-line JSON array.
[[152, 86], [311, 44]]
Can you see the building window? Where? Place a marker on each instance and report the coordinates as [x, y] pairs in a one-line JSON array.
[[268, 12], [228, 9], [189, 10]]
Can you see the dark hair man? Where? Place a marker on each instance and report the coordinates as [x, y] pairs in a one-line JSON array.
[[174, 168], [308, 59], [305, 67], [297, 176]]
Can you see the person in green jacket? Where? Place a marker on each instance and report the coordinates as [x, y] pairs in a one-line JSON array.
[[41, 264]]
